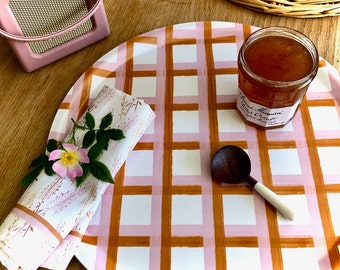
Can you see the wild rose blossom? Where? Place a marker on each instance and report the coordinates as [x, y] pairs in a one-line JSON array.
[[73, 161], [68, 160]]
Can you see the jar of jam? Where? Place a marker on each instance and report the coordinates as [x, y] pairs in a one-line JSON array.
[[276, 66]]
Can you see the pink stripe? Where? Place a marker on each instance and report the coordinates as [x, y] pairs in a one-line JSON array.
[[156, 203]]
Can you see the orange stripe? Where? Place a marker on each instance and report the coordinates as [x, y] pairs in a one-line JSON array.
[[185, 145], [243, 241], [144, 146], [231, 70], [185, 107], [146, 39], [297, 242], [113, 243], [187, 190], [281, 144], [129, 73], [227, 39], [65, 105], [321, 102], [76, 234], [180, 41], [321, 193], [322, 63], [85, 93], [328, 142], [90, 240], [142, 73], [246, 30], [332, 188], [167, 157], [220, 254], [44, 222], [132, 190], [131, 241], [187, 241], [274, 235]]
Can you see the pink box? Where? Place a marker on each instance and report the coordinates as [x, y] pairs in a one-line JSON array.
[[41, 32]]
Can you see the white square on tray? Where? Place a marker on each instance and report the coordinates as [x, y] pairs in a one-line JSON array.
[[334, 206], [185, 26], [133, 258], [187, 258], [139, 163], [98, 82], [186, 162], [144, 53], [184, 53], [220, 24], [300, 258], [230, 121], [329, 159], [186, 209], [136, 210], [226, 84], [321, 83], [144, 86], [239, 209], [243, 258], [324, 118], [284, 162], [185, 121], [224, 52], [185, 86], [300, 207]]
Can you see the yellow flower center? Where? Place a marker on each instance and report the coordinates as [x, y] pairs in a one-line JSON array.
[[68, 158]]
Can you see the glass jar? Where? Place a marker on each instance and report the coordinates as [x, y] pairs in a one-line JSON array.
[[276, 66]]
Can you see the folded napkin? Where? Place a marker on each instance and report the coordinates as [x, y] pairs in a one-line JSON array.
[[49, 220]]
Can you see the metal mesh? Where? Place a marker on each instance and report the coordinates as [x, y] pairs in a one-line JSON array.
[[41, 17]]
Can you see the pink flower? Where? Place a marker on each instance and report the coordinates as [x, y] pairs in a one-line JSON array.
[[67, 160]]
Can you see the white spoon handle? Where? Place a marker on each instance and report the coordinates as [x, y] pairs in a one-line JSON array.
[[274, 200]]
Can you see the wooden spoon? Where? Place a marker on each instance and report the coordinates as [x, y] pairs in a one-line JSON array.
[[232, 165]]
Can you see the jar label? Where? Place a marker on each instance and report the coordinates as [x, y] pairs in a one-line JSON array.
[[262, 115]]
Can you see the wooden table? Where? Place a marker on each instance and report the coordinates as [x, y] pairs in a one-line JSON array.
[[29, 101]]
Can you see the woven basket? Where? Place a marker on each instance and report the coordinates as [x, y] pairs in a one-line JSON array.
[[297, 9]]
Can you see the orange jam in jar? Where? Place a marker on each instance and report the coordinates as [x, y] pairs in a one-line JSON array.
[[276, 66]]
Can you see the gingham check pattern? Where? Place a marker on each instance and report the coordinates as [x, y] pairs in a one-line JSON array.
[[165, 211]]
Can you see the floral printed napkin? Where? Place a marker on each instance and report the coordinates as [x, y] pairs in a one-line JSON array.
[[49, 220]]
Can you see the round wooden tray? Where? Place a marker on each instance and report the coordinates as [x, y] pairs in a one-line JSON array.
[[297, 9]]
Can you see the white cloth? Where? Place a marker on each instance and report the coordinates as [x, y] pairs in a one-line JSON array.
[[50, 218]]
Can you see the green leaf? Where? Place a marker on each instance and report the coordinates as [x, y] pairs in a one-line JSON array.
[[28, 179], [106, 141], [90, 122], [48, 168], [52, 145], [86, 170], [106, 121], [100, 134], [96, 149], [40, 160], [115, 134], [89, 138], [100, 171]]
